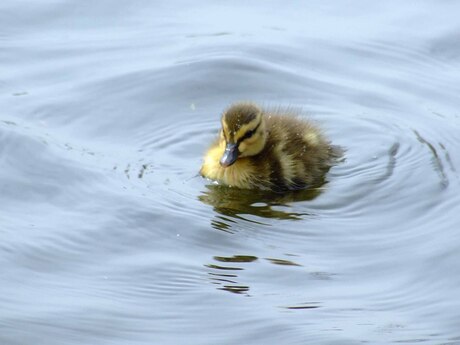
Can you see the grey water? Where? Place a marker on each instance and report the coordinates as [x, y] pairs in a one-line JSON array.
[[109, 236]]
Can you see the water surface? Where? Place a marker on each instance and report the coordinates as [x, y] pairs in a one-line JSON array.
[[110, 237]]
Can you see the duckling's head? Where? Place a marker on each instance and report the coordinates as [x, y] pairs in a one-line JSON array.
[[243, 132]]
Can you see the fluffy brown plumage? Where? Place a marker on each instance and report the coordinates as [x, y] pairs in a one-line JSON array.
[[268, 150]]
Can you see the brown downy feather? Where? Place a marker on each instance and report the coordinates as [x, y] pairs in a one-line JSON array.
[[276, 151]]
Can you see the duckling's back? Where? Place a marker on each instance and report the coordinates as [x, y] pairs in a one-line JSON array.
[[296, 154]]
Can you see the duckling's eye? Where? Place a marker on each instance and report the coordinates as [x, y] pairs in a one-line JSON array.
[[249, 134]]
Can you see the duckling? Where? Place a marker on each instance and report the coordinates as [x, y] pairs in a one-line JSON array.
[[267, 150]]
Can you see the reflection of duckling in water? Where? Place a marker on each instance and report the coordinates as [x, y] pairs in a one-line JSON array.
[[266, 150], [232, 203]]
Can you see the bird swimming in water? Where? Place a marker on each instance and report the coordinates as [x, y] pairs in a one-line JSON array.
[[268, 150]]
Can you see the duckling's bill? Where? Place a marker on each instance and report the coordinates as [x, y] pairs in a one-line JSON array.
[[230, 155]]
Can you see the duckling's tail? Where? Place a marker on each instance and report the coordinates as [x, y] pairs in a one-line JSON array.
[[337, 154]]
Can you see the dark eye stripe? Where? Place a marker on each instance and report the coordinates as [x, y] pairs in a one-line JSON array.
[[248, 134]]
